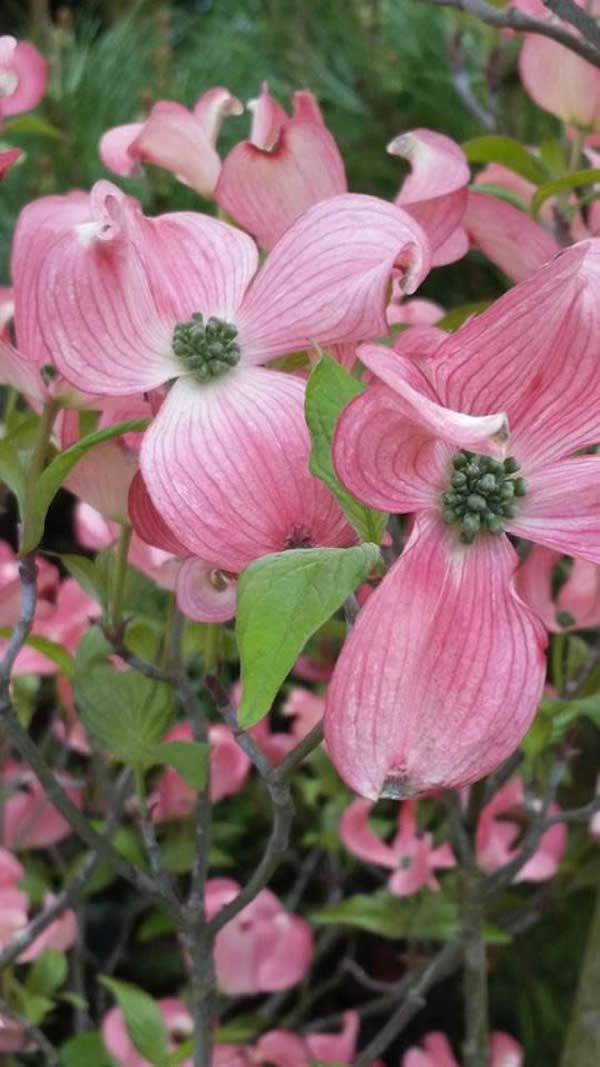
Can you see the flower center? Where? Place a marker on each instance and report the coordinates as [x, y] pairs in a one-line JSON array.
[[207, 349], [482, 494]]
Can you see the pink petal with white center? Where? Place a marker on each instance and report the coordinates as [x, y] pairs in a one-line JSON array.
[[265, 191], [268, 117], [327, 278], [173, 138], [8, 159], [113, 289], [384, 459], [226, 466], [360, 839], [442, 673], [205, 593], [336, 1048], [23, 76], [533, 354], [213, 107], [508, 237], [487, 434], [435, 191], [114, 149], [560, 82], [562, 508]]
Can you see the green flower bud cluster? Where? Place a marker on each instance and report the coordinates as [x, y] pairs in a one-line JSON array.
[[208, 349], [482, 495]]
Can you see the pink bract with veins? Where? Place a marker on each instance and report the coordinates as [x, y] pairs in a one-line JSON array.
[[411, 854], [264, 948], [444, 696]]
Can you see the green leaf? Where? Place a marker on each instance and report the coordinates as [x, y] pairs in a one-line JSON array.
[[562, 185], [47, 974], [456, 318], [13, 471], [31, 124], [56, 472], [156, 924], [501, 193], [122, 711], [85, 1050], [330, 388], [189, 758], [282, 600], [427, 917], [564, 713], [87, 575], [143, 1020], [240, 1030], [493, 148], [50, 649]]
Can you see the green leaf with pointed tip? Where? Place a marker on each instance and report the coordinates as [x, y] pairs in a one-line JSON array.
[[56, 472], [575, 180], [123, 712], [427, 917], [85, 1050], [47, 974], [330, 388], [500, 193], [188, 758], [13, 471], [144, 1022], [492, 148], [32, 124], [282, 600]]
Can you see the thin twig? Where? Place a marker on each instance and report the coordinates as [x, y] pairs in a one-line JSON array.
[[513, 19]]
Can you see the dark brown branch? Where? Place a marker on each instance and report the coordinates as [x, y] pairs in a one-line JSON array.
[[513, 19]]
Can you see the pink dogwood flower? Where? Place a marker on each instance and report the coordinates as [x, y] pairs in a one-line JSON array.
[[23, 76], [229, 768], [442, 674], [284, 1049], [577, 603], [508, 237], [177, 1020], [435, 1051], [497, 836], [411, 855], [288, 165], [13, 914], [173, 298], [30, 820], [265, 948], [175, 138], [12, 1036]]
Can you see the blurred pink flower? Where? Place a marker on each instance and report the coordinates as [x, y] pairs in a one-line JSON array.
[[429, 702], [411, 855], [177, 1020], [23, 76], [497, 836], [173, 799], [60, 935], [435, 1051], [577, 603], [507, 236], [264, 948], [163, 292], [13, 914], [175, 138], [11, 871], [30, 820], [288, 165], [12, 1036], [8, 158]]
